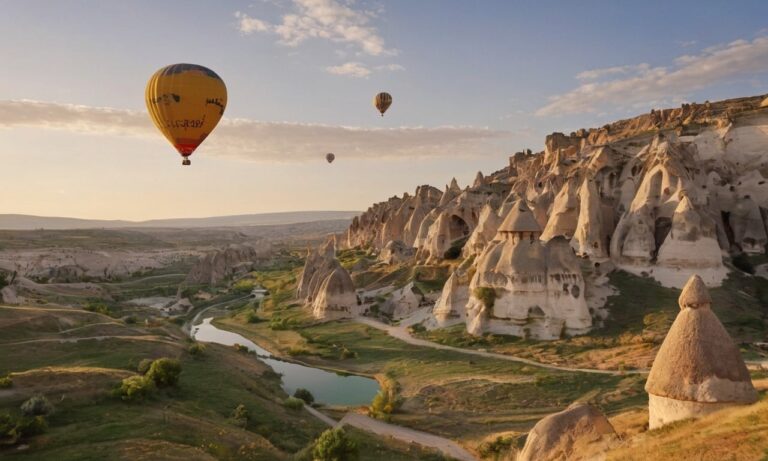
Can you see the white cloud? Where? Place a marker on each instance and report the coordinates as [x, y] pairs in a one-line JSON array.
[[248, 25], [350, 69], [252, 140], [323, 19], [595, 74], [391, 67], [689, 73]]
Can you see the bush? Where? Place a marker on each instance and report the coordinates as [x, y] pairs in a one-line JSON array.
[[252, 317], [165, 372], [197, 349], [347, 354], [276, 323], [293, 403], [334, 445], [240, 348], [6, 382], [98, 307], [144, 365], [135, 388], [240, 416], [304, 395], [386, 400], [37, 406], [27, 427], [741, 261], [486, 295]]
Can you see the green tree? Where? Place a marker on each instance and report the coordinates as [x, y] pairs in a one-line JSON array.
[[136, 388], [335, 445], [165, 372], [304, 395]]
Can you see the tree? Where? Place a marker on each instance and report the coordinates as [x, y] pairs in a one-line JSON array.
[[304, 395], [37, 406], [136, 388], [335, 445], [165, 372]]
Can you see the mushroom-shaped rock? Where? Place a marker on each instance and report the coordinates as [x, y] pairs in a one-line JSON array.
[[698, 369], [579, 432], [336, 297]]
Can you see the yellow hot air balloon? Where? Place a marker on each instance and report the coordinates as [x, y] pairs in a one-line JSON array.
[[382, 101], [186, 102]]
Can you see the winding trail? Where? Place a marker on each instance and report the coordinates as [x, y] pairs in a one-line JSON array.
[[401, 332]]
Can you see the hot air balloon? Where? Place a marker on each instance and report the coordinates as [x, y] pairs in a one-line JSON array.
[[330, 157], [382, 101], [186, 102]]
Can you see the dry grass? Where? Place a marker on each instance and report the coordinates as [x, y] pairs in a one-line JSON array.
[[738, 434]]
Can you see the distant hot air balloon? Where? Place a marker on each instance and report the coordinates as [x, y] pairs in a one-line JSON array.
[[382, 101], [330, 157], [186, 102]]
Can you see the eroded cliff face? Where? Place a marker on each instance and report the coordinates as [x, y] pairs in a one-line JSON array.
[[217, 266], [667, 194]]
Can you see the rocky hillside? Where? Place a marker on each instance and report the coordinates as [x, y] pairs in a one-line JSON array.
[[665, 194]]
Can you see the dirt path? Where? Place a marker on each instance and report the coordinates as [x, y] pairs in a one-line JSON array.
[[401, 332], [151, 338], [446, 446]]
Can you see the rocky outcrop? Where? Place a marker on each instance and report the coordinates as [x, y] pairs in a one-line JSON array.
[[579, 432], [217, 266], [403, 302], [698, 369], [451, 307], [325, 286], [395, 252], [613, 192], [526, 287]]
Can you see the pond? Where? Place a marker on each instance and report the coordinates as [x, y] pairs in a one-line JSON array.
[[327, 387]]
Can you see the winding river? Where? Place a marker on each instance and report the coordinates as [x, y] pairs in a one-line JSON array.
[[327, 387]]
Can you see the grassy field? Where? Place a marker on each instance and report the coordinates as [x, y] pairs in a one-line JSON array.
[[191, 421]]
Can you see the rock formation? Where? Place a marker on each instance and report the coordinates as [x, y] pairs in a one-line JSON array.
[[451, 307], [326, 286], [579, 432], [395, 252], [403, 302], [698, 369], [632, 191], [216, 266], [526, 287]]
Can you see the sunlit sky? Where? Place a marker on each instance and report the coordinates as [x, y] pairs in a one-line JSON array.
[[472, 83]]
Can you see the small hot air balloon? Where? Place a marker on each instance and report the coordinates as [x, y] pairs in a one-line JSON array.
[[186, 102], [330, 157], [382, 101]]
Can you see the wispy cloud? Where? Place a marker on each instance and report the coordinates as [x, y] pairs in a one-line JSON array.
[[321, 19], [391, 67], [253, 140], [350, 69], [642, 83]]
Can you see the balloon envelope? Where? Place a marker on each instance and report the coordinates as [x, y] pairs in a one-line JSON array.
[[382, 101], [186, 102], [330, 158]]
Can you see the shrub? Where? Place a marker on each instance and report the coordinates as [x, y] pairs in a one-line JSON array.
[[6, 382], [239, 416], [334, 445], [98, 307], [347, 354], [293, 403], [240, 348], [27, 427], [165, 372], [130, 320], [386, 400], [304, 395], [135, 388], [144, 365], [741, 261], [486, 295], [276, 323], [197, 349], [252, 317], [37, 406]]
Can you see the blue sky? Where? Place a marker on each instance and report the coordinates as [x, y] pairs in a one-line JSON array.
[[472, 82]]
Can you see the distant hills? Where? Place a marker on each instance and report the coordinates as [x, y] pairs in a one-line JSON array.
[[28, 222]]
